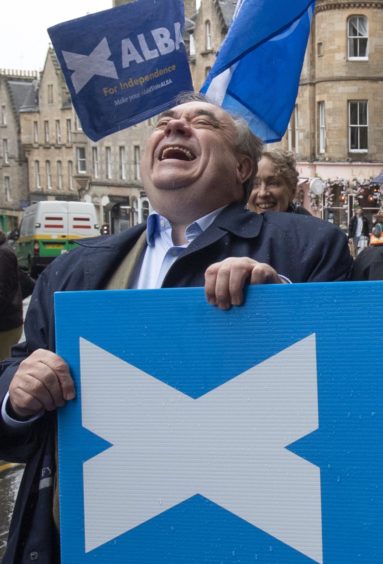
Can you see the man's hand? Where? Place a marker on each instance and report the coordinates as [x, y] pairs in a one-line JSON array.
[[42, 382], [225, 280]]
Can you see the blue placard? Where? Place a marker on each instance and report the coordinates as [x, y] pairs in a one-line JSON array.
[[208, 436], [123, 65]]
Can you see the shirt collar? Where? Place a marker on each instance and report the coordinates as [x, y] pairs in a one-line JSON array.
[[157, 225]]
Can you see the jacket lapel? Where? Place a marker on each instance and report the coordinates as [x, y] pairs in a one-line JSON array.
[[234, 219], [105, 254]]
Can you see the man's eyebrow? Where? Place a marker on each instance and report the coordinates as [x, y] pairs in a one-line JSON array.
[[210, 115], [171, 113]]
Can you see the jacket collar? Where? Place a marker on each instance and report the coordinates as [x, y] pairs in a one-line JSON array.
[[233, 219]]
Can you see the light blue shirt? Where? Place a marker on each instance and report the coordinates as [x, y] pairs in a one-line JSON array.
[[161, 252]]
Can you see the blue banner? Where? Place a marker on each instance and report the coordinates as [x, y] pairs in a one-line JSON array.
[[208, 436], [123, 65], [258, 67]]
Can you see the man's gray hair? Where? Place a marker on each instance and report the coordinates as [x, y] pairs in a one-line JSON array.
[[246, 142]]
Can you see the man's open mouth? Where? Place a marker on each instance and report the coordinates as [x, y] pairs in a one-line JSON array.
[[176, 152]]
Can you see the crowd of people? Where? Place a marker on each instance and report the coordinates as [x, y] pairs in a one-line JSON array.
[[200, 173]]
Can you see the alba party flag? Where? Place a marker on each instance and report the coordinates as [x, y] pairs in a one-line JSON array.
[[123, 65], [257, 70]]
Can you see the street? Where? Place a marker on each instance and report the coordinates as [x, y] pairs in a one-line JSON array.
[[10, 476]]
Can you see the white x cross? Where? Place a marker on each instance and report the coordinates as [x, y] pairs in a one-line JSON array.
[[86, 67], [228, 446]]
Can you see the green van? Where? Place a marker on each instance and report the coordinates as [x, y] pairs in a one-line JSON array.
[[51, 228]]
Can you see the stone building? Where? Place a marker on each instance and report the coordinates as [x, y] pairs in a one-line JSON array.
[[15, 87], [336, 129], [64, 164], [211, 23]]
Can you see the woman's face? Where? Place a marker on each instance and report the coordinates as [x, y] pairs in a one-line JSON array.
[[270, 191]]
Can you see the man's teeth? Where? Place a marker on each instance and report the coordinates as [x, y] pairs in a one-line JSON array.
[[177, 152]]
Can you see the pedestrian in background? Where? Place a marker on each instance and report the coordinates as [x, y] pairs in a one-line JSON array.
[[359, 231], [11, 305]]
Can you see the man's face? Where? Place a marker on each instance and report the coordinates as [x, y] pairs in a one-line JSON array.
[[190, 159]]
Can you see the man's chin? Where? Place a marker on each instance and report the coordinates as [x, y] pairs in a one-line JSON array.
[[172, 183]]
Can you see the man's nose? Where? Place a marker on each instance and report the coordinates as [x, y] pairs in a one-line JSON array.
[[178, 126]]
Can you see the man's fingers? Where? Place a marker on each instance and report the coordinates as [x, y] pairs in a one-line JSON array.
[[225, 280], [42, 381], [60, 370], [264, 274]]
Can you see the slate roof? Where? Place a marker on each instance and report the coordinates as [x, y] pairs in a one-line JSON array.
[[227, 10], [23, 94]]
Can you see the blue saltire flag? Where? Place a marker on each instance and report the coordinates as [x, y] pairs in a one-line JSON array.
[[257, 70], [123, 65]]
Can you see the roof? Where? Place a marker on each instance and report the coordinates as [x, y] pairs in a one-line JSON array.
[[20, 92], [227, 9]]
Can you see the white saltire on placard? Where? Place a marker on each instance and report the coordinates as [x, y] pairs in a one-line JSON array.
[[228, 446]]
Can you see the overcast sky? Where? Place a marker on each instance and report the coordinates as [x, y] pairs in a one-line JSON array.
[[24, 39]]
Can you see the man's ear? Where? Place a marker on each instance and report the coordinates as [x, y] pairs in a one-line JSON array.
[[245, 167]]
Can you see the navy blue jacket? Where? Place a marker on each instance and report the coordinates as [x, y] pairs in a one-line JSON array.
[[303, 248]]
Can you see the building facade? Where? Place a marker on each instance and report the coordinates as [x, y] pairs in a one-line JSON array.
[[15, 87], [336, 129], [210, 25]]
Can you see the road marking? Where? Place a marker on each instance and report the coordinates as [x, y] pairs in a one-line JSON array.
[[8, 466]]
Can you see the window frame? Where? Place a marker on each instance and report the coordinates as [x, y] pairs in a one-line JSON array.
[[35, 132], [321, 127], [356, 38], [108, 163], [136, 162], [58, 132], [50, 93], [3, 118], [37, 174], [69, 131], [122, 162], [70, 175], [5, 152], [46, 132], [81, 160], [208, 36], [7, 188], [60, 182], [48, 172], [95, 163], [358, 126]]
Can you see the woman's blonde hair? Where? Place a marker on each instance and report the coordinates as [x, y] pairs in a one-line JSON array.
[[285, 166]]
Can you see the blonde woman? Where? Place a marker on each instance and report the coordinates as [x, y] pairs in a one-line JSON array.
[[275, 184]]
